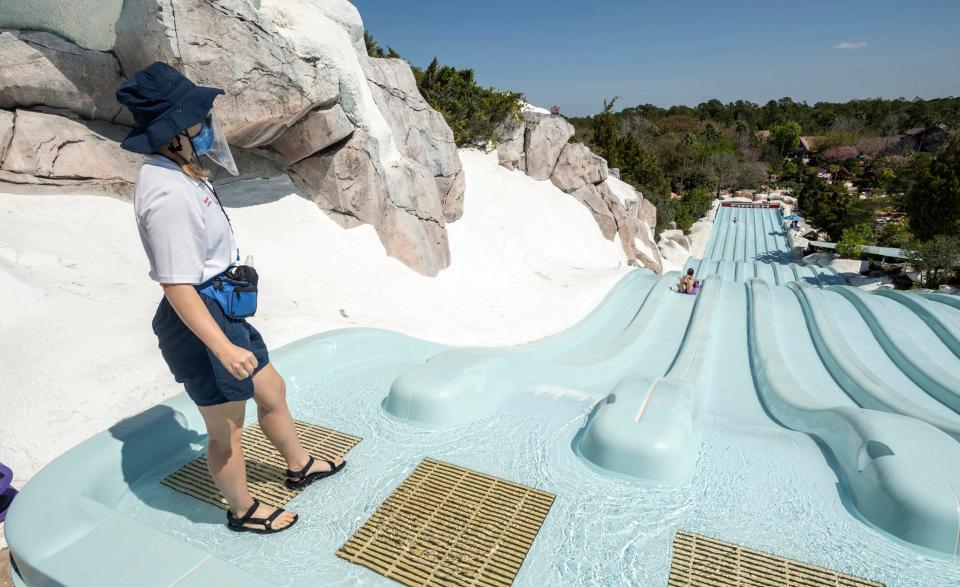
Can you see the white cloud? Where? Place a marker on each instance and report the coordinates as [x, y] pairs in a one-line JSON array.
[[849, 45]]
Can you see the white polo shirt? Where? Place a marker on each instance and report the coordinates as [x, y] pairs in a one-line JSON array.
[[185, 233]]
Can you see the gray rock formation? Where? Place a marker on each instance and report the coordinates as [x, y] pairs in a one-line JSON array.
[[421, 133], [45, 152], [6, 132], [544, 139], [400, 200], [510, 148], [40, 69], [314, 132], [301, 97], [641, 220], [88, 23], [413, 228], [347, 183], [224, 43], [633, 225], [539, 147], [576, 167], [589, 195]]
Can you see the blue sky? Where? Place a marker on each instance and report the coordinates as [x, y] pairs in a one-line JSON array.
[[575, 54]]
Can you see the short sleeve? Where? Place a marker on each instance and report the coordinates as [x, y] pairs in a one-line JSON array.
[[172, 227]]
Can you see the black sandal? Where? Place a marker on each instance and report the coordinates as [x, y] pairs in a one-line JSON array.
[[240, 524], [301, 479]]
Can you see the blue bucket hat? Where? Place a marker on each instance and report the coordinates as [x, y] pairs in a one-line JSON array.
[[164, 103]]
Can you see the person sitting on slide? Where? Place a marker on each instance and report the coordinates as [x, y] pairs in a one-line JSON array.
[[688, 282]]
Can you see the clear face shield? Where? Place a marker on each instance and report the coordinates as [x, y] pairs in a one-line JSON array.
[[212, 142]]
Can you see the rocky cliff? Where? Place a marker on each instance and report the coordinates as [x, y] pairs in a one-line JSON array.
[[302, 98], [539, 146]]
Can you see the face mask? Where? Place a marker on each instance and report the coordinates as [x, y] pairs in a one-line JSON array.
[[212, 142], [203, 141]]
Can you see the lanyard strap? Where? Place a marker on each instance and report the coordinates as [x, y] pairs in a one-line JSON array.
[[216, 197]]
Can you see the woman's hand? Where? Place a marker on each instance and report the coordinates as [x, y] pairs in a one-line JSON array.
[[187, 303], [238, 361]]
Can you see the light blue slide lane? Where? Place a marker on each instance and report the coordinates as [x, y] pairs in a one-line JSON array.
[[911, 345], [804, 362], [860, 381], [900, 472], [756, 246], [874, 351], [944, 323]]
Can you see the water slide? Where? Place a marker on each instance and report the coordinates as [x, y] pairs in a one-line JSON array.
[[874, 377]]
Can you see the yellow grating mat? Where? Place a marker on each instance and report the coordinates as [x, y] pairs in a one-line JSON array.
[[702, 561], [266, 469], [446, 525]]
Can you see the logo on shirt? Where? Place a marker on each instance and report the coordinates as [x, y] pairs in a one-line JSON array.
[[207, 200]]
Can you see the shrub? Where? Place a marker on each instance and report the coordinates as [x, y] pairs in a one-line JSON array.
[[694, 205], [852, 239], [936, 259], [474, 113]]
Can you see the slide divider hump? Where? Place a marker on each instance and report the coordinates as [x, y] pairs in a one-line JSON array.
[[898, 471], [650, 427], [465, 384], [855, 378], [915, 363]]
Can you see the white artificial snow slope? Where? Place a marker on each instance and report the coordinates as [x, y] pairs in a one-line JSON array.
[[77, 352], [676, 248]]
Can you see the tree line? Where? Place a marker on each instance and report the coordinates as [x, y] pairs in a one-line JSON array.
[[854, 184]]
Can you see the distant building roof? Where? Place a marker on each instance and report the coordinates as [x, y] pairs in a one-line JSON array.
[[883, 251], [928, 140], [809, 143]]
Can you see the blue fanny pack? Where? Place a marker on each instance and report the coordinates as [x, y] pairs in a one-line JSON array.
[[234, 290]]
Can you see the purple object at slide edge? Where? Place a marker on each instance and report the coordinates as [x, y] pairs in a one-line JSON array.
[[6, 498], [6, 492]]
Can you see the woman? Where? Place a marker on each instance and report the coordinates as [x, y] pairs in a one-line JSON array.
[[688, 282], [222, 361]]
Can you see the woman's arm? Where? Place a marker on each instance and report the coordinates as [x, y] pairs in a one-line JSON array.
[[187, 303]]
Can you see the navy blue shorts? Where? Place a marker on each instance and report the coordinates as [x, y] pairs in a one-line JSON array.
[[206, 380]]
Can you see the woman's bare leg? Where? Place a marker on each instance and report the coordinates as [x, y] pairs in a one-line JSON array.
[[226, 463], [270, 394]]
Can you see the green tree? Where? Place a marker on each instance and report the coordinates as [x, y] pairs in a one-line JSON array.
[[639, 167], [373, 48], [605, 134], [937, 259], [694, 206], [933, 199], [830, 207], [474, 113], [786, 137], [851, 239]]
